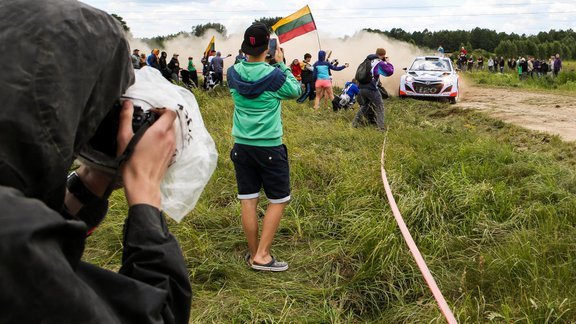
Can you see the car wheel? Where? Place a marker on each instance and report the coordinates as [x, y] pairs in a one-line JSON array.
[[454, 100]]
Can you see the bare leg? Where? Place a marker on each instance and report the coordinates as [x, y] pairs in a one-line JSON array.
[[269, 226], [250, 224], [329, 95], [319, 94]]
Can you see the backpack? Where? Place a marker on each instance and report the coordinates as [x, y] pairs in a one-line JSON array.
[[364, 72]]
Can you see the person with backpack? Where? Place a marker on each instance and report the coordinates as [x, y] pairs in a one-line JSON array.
[[368, 75]]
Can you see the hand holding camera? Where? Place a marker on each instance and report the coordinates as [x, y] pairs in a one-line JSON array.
[[145, 169]]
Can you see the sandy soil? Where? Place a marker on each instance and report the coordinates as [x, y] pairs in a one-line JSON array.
[[547, 112]]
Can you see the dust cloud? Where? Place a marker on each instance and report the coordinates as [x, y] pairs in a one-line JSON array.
[[349, 49]]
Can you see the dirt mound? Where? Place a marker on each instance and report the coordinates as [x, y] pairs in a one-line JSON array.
[[546, 112]]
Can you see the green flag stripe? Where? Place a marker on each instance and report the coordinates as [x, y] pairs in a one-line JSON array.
[[294, 24]]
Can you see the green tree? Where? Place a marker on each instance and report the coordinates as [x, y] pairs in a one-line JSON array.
[[484, 38], [200, 30], [122, 22], [531, 48], [268, 21], [504, 49]]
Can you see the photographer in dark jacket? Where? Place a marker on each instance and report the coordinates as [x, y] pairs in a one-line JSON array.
[[49, 113]]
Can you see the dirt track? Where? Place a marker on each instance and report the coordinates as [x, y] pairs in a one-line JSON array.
[[551, 113]]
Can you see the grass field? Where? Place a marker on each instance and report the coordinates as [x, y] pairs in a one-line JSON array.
[[491, 206], [564, 82]]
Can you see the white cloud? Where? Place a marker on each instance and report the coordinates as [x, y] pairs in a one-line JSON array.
[[148, 18]]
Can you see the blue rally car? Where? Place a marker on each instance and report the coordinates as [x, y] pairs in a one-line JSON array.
[[432, 77]]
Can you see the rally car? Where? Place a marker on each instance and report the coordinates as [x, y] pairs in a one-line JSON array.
[[430, 76]]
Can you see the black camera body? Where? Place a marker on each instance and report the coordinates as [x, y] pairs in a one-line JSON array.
[[141, 117], [101, 150]]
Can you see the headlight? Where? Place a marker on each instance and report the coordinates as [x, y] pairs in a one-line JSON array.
[[447, 80], [409, 78]]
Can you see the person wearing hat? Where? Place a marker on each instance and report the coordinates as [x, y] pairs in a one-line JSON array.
[[135, 57], [174, 67], [370, 98], [260, 159]]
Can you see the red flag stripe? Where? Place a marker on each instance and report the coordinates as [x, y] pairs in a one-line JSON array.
[[297, 32]]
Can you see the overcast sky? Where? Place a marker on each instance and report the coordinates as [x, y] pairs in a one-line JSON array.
[[337, 18]]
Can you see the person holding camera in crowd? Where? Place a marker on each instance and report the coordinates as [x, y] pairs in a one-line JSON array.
[[260, 159], [50, 113], [370, 98]]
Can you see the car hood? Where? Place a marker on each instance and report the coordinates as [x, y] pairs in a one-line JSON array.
[[428, 75]]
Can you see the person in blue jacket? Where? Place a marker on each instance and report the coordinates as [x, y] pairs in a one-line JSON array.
[[323, 79], [348, 96]]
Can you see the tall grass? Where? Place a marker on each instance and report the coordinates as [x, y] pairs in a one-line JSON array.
[[564, 82], [491, 206]]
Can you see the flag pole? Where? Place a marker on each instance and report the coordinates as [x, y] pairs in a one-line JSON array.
[[315, 27]]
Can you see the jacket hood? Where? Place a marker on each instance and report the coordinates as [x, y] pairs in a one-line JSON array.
[[321, 55], [372, 56], [53, 101], [251, 87]]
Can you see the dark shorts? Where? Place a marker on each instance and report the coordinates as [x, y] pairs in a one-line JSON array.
[[258, 167]]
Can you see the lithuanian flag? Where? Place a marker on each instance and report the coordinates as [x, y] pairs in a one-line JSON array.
[[209, 48], [298, 23]]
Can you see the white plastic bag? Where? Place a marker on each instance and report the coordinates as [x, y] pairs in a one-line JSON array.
[[195, 157]]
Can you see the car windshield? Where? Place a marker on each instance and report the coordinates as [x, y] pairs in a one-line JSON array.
[[430, 65]]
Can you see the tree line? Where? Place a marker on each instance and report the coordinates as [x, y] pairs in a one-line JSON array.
[[485, 40], [197, 30], [540, 45]]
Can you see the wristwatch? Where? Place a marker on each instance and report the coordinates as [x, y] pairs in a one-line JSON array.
[[78, 189]]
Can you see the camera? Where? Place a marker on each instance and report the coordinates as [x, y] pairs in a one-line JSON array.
[[101, 150], [141, 117]]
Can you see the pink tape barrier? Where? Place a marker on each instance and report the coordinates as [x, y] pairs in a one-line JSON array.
[[414, 249]]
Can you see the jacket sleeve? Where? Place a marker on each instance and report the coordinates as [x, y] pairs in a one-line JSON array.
[[291, 87], [152, 255], [337, 68], [43, 279], [385, 69]]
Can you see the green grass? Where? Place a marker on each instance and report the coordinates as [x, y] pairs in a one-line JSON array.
[[491, 206], [564, 82]]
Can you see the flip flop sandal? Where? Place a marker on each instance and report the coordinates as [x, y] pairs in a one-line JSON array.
[[247, 260], [273, 265]]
